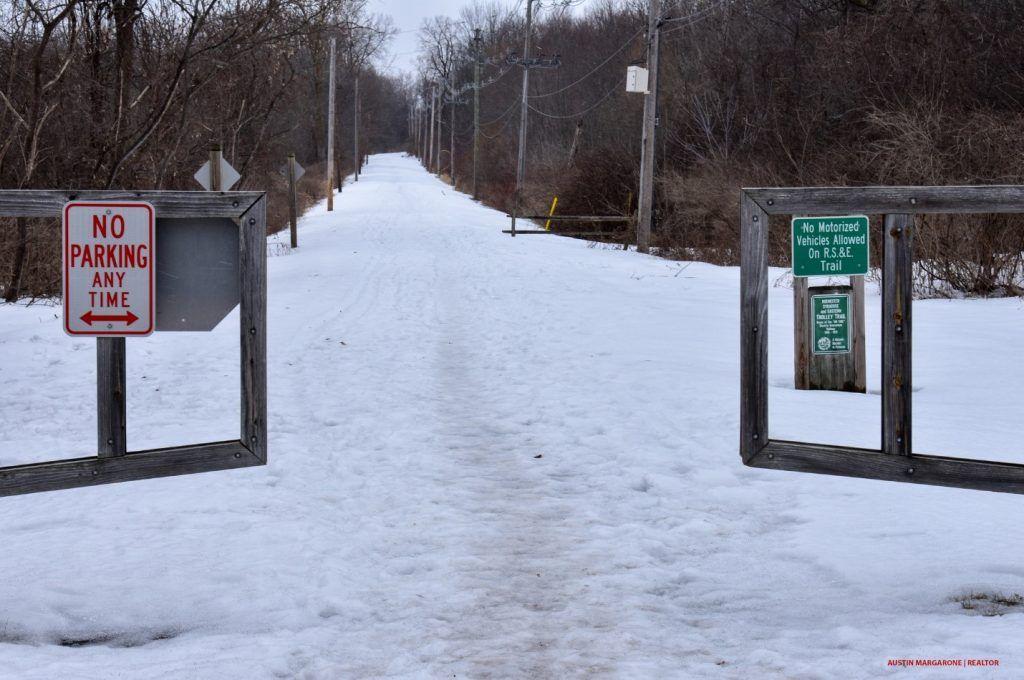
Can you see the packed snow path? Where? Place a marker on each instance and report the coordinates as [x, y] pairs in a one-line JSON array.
[[498, 458]]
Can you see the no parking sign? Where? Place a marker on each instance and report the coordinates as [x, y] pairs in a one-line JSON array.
[[109, 272]]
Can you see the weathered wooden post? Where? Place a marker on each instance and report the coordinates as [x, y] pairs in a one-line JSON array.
[[355, 128], [293, 208], [645, 200], [832, 328], [630, 221], [215, 178], [111, 398], [897, 301], [829, 351], [330, 126]]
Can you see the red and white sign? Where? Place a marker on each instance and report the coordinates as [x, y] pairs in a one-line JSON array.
[[109, 273]]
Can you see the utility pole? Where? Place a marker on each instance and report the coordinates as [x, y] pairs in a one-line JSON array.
[[433, 111], [440, 118], [646, 199], [527, 63], [330, 131], [476, 109], [423, 134], [523, 111], [355, 126], [452, 143]]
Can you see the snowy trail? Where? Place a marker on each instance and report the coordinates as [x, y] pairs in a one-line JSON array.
[[497, 458]]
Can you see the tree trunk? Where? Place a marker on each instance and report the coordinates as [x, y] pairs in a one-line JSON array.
[[21, 252]]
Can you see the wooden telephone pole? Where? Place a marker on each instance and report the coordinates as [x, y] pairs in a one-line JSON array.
[[433, 113], [440, 118], [423, 134], [330, 130], [476, 109], [646, 192], [524, 108], [355, 127], [527, 63], [451, 145]]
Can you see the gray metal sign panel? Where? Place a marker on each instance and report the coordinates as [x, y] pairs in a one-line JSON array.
[[196, 272]]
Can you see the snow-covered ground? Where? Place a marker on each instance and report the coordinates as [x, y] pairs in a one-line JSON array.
[[507, 458]]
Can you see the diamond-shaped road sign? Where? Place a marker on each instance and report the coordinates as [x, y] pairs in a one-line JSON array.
[[299, 171], [228, 175]]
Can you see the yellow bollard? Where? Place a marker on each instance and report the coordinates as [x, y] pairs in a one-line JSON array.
[[547, 225]]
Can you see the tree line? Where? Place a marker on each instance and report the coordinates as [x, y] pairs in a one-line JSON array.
[[753, 93], [125, 94]]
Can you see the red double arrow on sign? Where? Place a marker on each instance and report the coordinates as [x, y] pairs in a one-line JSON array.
[[128, 319]]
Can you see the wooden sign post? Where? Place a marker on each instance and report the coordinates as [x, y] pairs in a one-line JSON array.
[[828, 336], [293, 208]]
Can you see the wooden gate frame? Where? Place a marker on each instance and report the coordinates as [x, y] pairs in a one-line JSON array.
[[895, 461], [113, 463]]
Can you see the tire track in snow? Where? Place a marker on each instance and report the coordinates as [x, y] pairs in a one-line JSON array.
[[523, 598]]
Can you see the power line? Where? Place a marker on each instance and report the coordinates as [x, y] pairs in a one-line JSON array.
[[584, 111], [592, 71], [690, 19], [504, 125], [496, 78], [496, 134], [507, 111]]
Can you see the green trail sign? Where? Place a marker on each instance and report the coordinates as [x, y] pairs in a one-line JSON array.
[[830, 324], [830, 246]]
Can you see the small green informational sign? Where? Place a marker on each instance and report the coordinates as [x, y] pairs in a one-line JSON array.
[[830, 246], [830, 324]]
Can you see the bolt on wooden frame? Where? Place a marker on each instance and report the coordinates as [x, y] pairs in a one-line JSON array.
[[895, 460], [113, 463]]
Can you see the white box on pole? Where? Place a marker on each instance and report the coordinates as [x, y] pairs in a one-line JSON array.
[[636, 79]]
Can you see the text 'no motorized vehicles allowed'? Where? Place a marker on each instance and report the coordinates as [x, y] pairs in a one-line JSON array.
[[109, 271], [830, 246]]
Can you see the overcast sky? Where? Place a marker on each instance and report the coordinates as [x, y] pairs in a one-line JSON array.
[[408, 15]]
